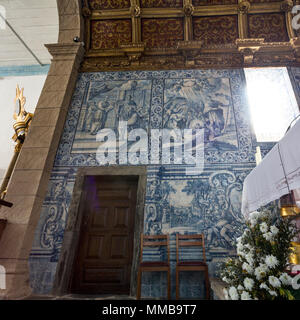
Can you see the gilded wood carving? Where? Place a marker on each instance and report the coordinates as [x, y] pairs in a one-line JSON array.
[[156, 34]]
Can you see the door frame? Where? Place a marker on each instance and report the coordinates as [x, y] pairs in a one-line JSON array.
[[70, 246]]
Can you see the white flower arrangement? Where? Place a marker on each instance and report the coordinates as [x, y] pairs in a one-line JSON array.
[[268, 236], [274, 282], [245, 295], [250, 258], [233, 293], [247, 267], [285, 279], [274, 230], [259, 271], [264, 286], [271, 261], [263, 227], [273, 293], [248, 283], [240, 287]]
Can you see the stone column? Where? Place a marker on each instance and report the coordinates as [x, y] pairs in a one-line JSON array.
[[29, 181]]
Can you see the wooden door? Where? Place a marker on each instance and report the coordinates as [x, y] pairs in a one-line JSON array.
[[104, 260]]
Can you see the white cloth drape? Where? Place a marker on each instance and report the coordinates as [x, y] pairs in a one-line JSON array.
[[276, 175], [297, 197]]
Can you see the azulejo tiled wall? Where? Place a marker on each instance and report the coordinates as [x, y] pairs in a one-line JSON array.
[[175, 201]]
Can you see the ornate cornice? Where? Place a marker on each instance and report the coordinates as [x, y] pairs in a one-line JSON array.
[[64, 50], [189, 53], [193, 54]]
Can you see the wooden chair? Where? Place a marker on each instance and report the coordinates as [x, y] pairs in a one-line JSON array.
[[149, 266], [191, 265]]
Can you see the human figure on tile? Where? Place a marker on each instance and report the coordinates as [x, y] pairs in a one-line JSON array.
[[100, 116]]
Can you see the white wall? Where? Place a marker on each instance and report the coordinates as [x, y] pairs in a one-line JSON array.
[[32, 89]]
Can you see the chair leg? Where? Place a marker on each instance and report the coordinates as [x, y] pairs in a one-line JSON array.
[[169, 285], [138, 294], [207, 285], [177, 284]]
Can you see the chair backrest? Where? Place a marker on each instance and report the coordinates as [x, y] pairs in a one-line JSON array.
[[191, 240], [154, 241]]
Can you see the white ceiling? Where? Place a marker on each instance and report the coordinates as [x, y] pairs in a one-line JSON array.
[[36, 22]]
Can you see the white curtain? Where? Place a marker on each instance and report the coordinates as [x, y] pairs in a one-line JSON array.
[[276, 175]]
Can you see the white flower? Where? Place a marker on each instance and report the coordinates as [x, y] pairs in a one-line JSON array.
[[274, 282], [273, 293], [254, 215], [233, 293], [253, 222], [238, 240], [264, 286], [274, 230], [261, 271], [245, 296], [248, 246], [249, 258], [225, 291], [263, 227], [262, 215], [286, 279], [271, 261], [247, 267], [268, 236], [240, 249], [225, 279], [248, 283], [240, 287]]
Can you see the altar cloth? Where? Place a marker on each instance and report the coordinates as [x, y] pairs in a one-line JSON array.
[[276, 175]]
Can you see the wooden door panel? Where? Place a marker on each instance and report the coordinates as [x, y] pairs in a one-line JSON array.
[[105, 252], [119, 247], [124, 194], [100, 217], [122, 217], [95, 248], [103, 275]]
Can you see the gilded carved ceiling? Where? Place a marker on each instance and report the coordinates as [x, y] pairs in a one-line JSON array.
[[207, 29], [213, 2], [108, 4], [110, 34], [158, 34], [270, 26], [161, 3]]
